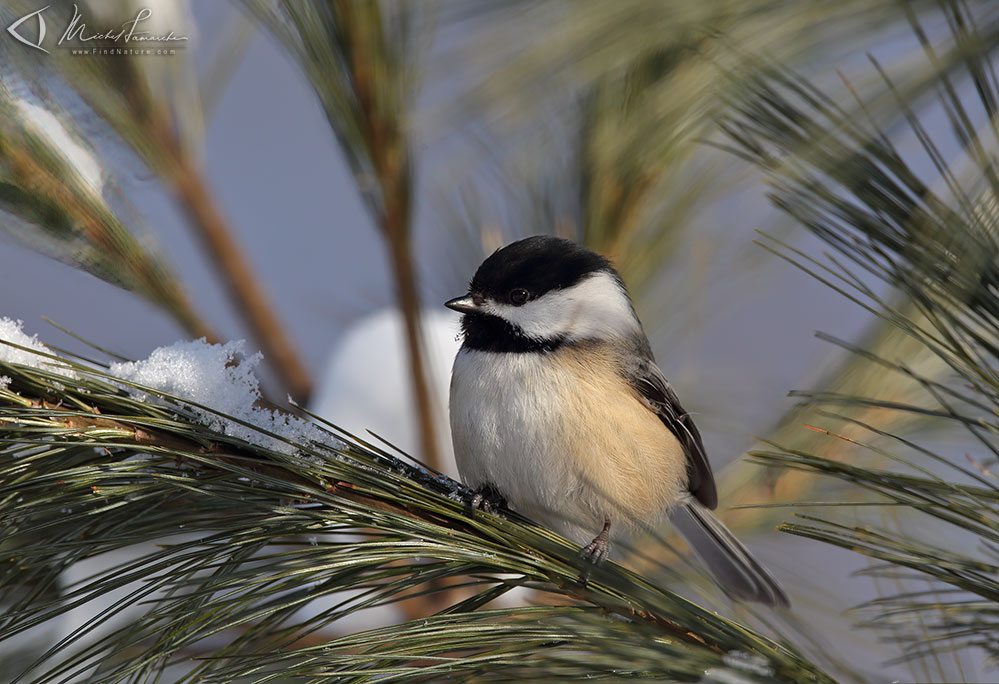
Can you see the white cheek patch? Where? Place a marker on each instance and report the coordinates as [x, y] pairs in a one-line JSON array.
[[596, 308]]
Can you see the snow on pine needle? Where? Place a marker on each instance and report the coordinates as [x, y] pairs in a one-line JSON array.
[[221, 383], [28, 350], [216, 383]]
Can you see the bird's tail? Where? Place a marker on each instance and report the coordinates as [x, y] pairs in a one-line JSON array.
[[729, 561]]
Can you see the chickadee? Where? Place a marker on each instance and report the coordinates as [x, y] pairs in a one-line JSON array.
[[558, 406]]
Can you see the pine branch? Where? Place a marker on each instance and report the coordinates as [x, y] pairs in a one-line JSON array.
[[251, 526]]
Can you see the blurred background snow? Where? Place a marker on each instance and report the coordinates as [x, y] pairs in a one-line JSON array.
[[365, 385]]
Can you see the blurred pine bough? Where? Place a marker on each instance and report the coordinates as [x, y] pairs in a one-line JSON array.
[[837, 177], [935, 245], [54, 193]]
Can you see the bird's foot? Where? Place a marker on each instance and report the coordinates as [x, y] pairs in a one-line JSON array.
[[487, 499], [596, 551]]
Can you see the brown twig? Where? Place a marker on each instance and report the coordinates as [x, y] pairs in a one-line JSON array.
[[385, 140], [409, 303], [185, 176], [387, 148], [152, 130]]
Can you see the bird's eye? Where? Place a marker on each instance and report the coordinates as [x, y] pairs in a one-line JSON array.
[[518, 296]]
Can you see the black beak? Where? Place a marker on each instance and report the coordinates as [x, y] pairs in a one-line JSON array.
[[464, 304]]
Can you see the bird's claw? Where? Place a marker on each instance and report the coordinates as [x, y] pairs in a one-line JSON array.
[[487, 499], [596, 551]]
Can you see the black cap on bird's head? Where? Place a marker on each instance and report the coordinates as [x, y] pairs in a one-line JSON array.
[[540, 292], [537, 265]]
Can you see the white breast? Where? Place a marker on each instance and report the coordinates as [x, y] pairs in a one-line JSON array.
[[563, 439]]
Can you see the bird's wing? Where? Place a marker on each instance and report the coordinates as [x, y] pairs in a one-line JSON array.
[[650, 382]]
